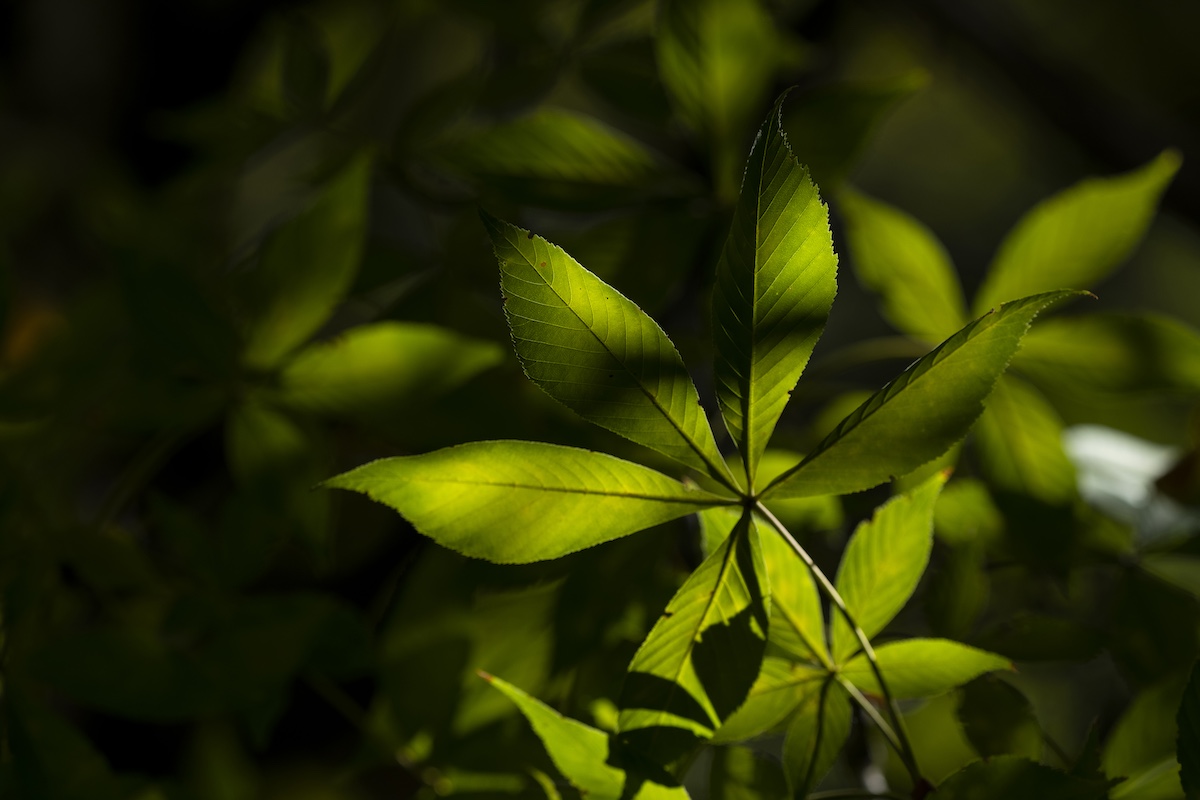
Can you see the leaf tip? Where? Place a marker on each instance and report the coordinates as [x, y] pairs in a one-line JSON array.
[[487, 676]]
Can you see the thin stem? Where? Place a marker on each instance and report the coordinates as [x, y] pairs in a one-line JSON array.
[[884, 726], [905, 747]]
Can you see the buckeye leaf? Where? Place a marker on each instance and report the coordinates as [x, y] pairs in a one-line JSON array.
[[776, 281], [1077, 237], [309, 264], [922, 667], [815, 736], [518, 502], [377, 367], [597, 353], [920, 414], [582, 753], [883, 562], [1020, 443], [780, 687], [901, 260], [702, 656]]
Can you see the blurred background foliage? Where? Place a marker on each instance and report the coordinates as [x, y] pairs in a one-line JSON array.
[[240, 252]]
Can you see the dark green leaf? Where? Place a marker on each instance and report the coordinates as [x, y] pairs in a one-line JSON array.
[[597, 353], [1009, 777], [998, 719], [920, 414], [1030, 636], [776, 280], [1146, 736], [517, 502], [738, 773], [815, 737]]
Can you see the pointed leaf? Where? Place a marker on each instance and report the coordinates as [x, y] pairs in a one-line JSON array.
[[699, 661], [1187, 749], [309, 264], [1077, 237], [780, 688], [883, 563], [920, 414], [597, 353], [775, 284], [1008, 777], [581, 753], [901, 260], [377, 368], [738, 773], [1114, 352], [815, 737], [517, 502], [1020, 440], [922, 667]]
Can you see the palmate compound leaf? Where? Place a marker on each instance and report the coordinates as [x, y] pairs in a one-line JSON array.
[[699, 661], [517, 502], [883, 563], [920, 414], [587, 346], [1076, 237], [922, 667], [583, 754], [776, 281]]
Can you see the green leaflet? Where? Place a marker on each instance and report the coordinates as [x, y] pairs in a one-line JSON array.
[[815, 736], [1187, 749], [776, 281], [1113, 352], [922, 667], [797, 621], [1008, 777], [309, 264], [883, 563], [582, 753], [716, 58], [517, 502], [780, 687], [738, 773], [379, 367], [921, 413], [1020, 437], [1076, 237], [597, 353], [900, 259], [699, 661], [1144, 736]]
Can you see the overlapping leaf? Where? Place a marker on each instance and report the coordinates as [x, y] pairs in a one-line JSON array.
[[883, 563], [1076, 237], [1006, 777], [920, 414], [517, 502], [815, 736], [922, 667], [700, 660], [780, 687], [596, 352], [776, 281]]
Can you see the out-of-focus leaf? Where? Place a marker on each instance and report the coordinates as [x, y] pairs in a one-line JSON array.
[[902, 261], [920, 414], [308, 265], [999, 719], [780, 687], [1147, 732], [1028, 636], [716, 58], [1007, 777], [698, 663], [965, 514], [518, 502], [1021, 443], [776, 280], [958, 590], [1113, 352], [1076, 237], [581, 753], [815, 737], [1176, 569], [597, 353], [738, 773], [381, 367], [922, 667], [1187, 749], [883, 563]]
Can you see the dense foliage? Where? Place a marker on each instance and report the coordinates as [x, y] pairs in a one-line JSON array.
[[608, 576]]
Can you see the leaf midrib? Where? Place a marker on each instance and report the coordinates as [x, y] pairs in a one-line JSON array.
[[715, 500]]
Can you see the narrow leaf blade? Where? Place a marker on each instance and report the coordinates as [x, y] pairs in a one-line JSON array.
[[920, 414], [815, 737], [901, 260], [883, 563], [776, 281], [597, 353], [517, 502], [700, 660], [922, 667], [1077, 237]]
